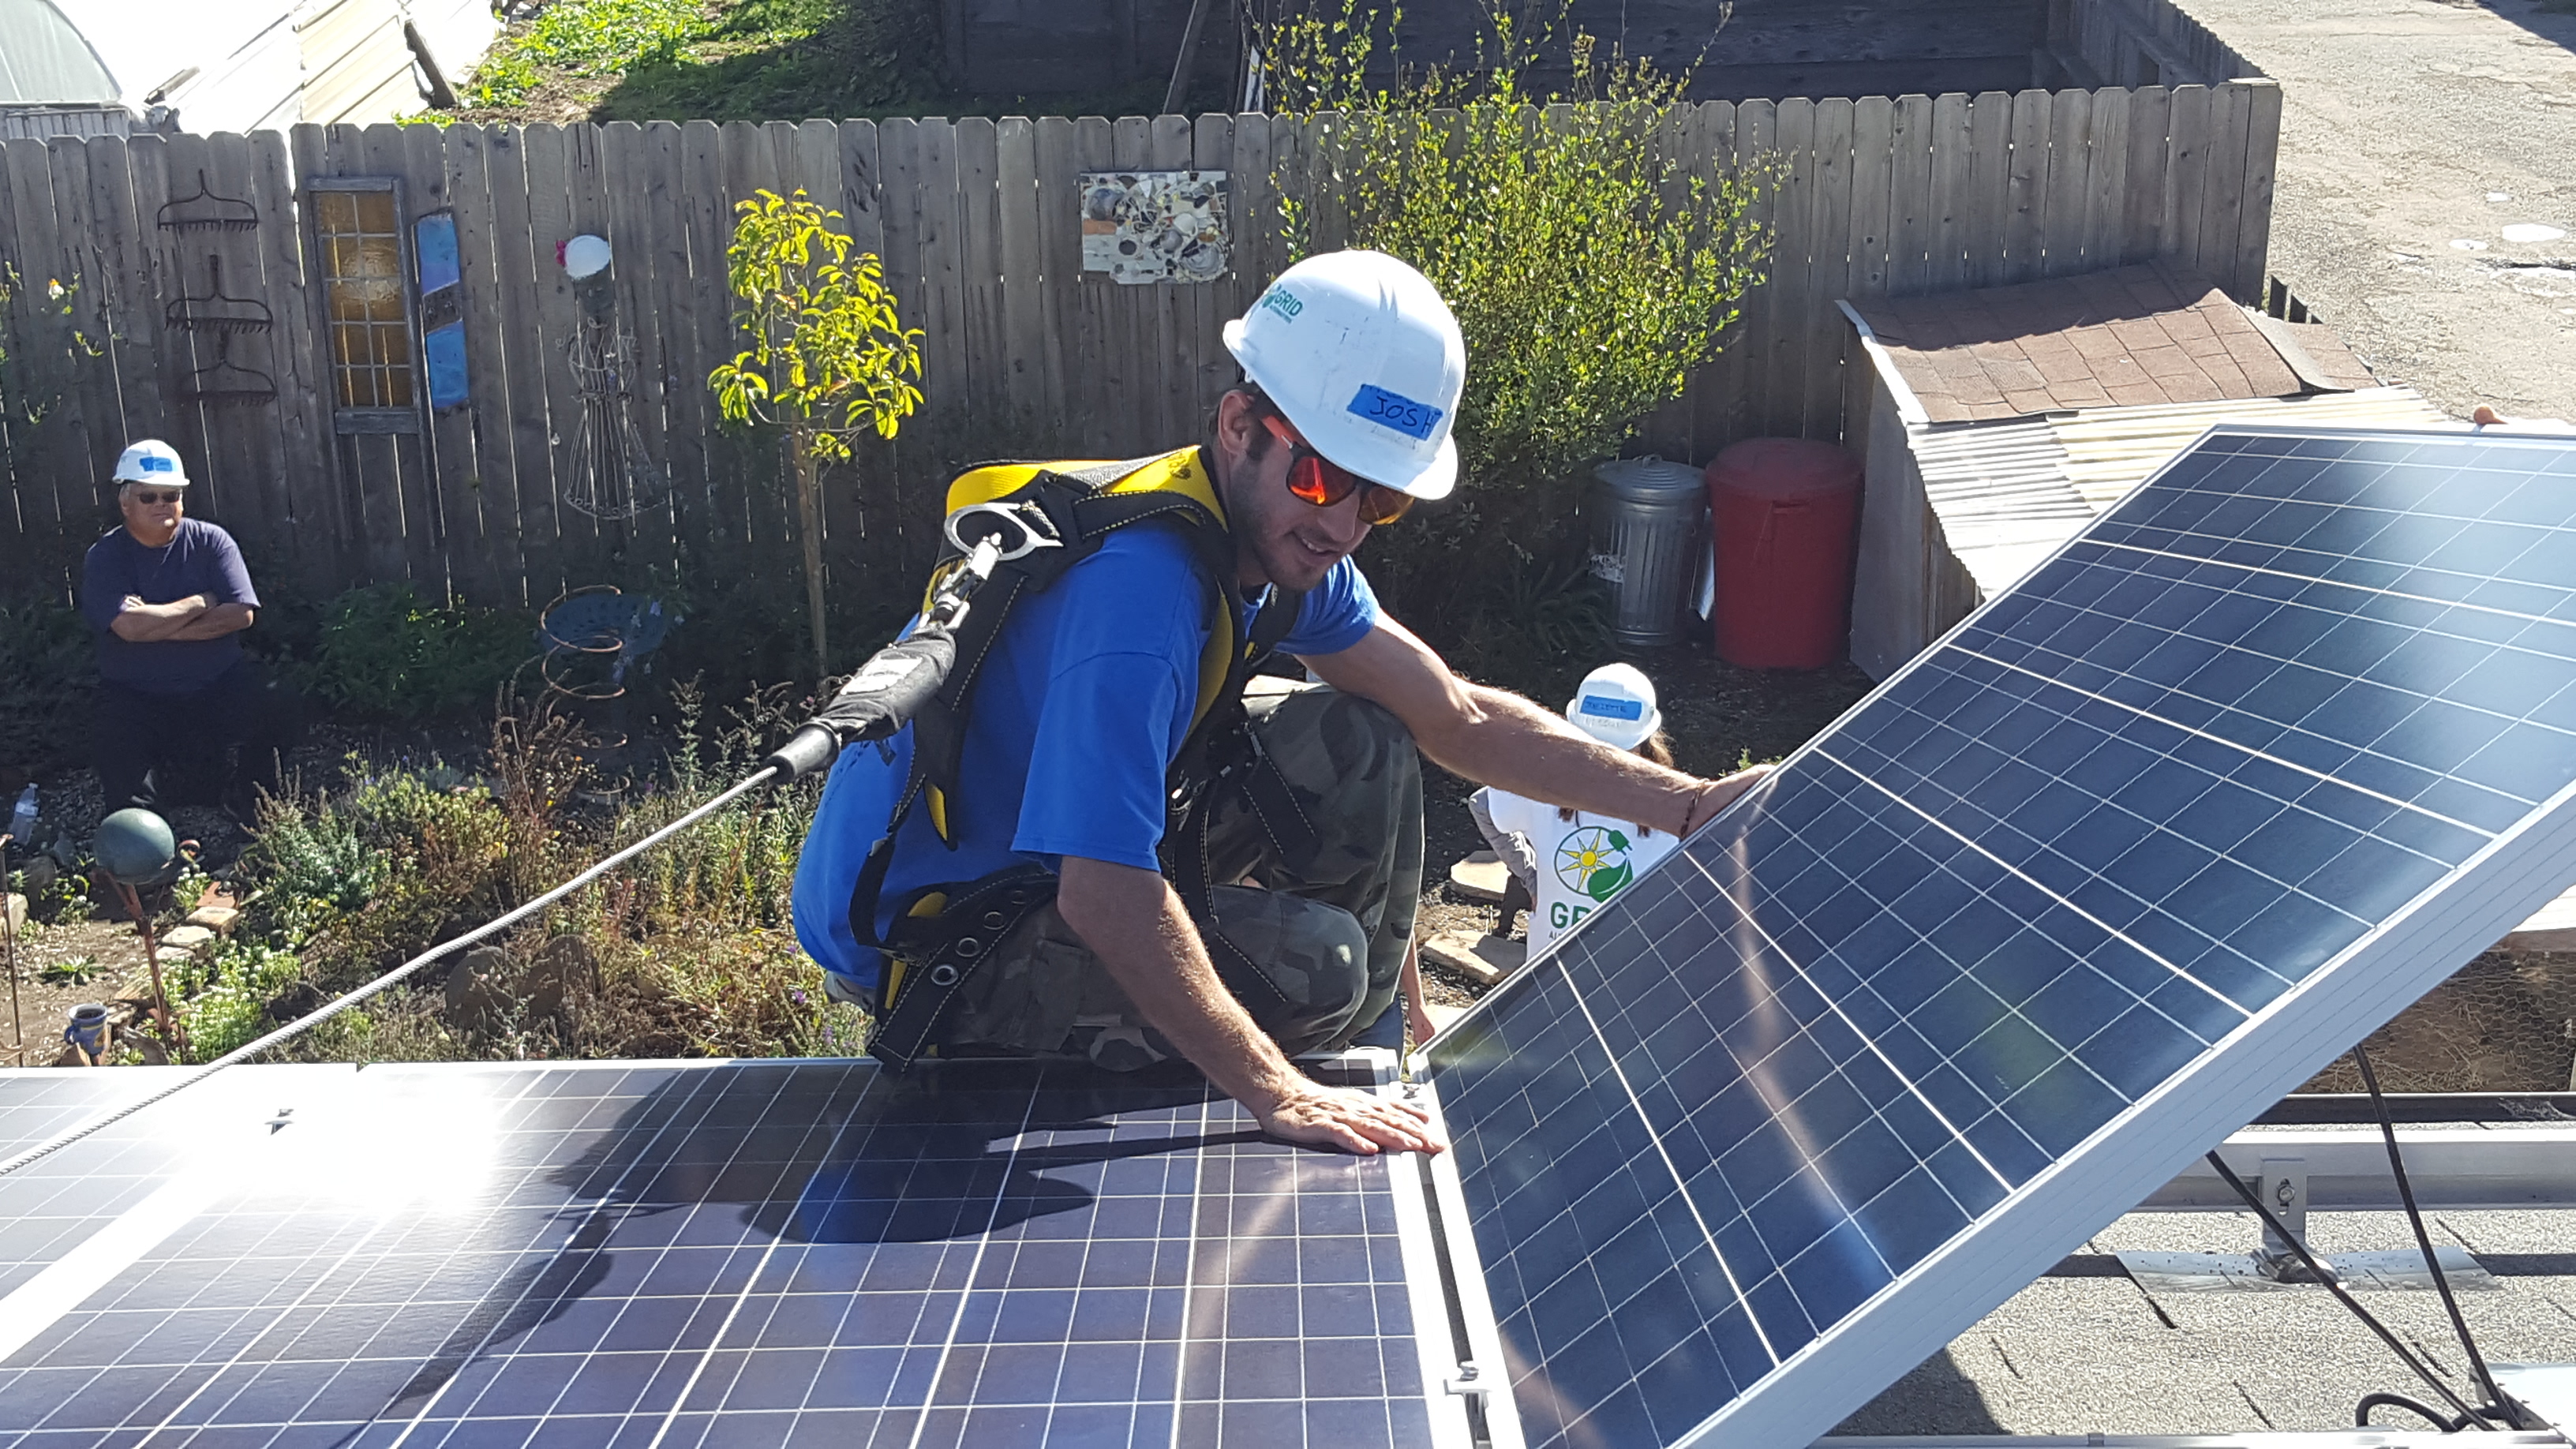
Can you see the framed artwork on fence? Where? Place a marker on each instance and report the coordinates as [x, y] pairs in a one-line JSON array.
[[1154, 226]]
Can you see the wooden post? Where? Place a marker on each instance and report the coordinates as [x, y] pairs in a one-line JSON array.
[[809, 521]]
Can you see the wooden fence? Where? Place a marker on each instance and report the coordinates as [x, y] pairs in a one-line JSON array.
[[977, 223]]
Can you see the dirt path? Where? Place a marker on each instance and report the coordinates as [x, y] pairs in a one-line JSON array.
[[2409, 126]]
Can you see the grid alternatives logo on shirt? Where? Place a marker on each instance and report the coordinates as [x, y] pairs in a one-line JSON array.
[[1593, 862]]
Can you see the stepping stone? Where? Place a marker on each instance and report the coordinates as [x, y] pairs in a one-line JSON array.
[[1478, 957], [1481, 877], [218, 919], [186, 940]]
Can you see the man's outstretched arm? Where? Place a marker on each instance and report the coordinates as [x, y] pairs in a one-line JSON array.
[[1497, 738], [1134, 923]]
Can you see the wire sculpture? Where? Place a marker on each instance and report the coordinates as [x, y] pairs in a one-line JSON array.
[[609, 475]]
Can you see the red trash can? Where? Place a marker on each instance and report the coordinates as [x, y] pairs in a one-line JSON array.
[[1783, 514]]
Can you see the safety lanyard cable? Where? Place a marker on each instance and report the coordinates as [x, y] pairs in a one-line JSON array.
[[333, 1008]]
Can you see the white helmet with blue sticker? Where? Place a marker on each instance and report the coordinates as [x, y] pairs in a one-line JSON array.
[[1363, 357], [1616, 705], [150, 461]]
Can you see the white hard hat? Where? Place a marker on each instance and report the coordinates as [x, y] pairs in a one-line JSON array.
[[150, 461], [1363, 357], [1615, 704]]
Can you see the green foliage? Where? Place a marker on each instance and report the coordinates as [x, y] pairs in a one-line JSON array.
[[227, 994], [694, 951], [71, 971], [584, 38], [47, 665], [312, 867], [384, 651], [58, 343], [828, 356], [767, 59], [1590, 270]]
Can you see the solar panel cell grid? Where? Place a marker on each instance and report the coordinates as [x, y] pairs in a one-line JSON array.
[[2212, 747], [757, 1255]]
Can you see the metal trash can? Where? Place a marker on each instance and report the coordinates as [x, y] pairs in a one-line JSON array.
[[1647, 526]]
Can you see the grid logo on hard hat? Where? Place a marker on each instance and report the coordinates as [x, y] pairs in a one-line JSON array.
[[1283, 302], [1610, 707], [152, 463]]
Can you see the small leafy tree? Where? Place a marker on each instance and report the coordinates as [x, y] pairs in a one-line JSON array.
[[1591, 268], [828, 358]]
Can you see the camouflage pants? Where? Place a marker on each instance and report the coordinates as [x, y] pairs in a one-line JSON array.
[[1316, 951]]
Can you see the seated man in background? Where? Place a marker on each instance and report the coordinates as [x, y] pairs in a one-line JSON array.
[[168, 597]]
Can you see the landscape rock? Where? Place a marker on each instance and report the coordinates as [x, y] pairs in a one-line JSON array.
[[41, 874], [218, 919], [561, 964], [1478, 957], [476, 989], [1480, 877], [15, 907], [186, 940]]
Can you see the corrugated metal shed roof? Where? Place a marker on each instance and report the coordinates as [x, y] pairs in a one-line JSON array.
[[2008, 494]]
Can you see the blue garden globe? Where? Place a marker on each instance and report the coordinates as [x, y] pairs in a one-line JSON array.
[[135, 846]]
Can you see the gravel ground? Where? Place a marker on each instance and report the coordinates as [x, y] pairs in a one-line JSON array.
[[2413, 133]]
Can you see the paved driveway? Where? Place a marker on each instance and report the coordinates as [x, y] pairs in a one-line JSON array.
[[2410, 129]]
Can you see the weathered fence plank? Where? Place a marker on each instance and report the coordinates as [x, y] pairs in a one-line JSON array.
[[2070, 167], [2026, 188]]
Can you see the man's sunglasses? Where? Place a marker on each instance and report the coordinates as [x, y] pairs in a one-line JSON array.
[[155, 497], [1322, 482]]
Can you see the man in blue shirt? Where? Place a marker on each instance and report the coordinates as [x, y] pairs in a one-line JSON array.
[[168, 598], [1353, 369]]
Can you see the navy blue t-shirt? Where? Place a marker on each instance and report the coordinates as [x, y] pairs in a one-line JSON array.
[[1078, 713], [200, 559]]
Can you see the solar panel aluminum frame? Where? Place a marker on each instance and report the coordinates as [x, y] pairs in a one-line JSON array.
[[2144, 1146]]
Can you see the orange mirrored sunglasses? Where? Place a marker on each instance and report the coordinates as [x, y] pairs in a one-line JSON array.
[[1322, 482]]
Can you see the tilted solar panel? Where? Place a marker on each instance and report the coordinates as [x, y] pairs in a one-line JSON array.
[[2269, 750]]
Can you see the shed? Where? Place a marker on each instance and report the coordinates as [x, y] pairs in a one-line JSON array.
[[2000, 420], [92, 66]]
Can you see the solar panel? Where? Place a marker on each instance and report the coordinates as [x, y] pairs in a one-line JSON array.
[[742, 1254], [2271, 748]]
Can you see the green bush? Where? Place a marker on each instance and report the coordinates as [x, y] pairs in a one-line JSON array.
[[585, 37], [227, 995], [47, 664], [384, 651], [1590, 272]]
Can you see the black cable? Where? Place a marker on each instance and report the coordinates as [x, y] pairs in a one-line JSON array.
[[2431, 1415], [2424, 1240], [2335, 1286]]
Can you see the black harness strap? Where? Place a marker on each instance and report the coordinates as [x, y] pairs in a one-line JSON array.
[[958, 941]]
